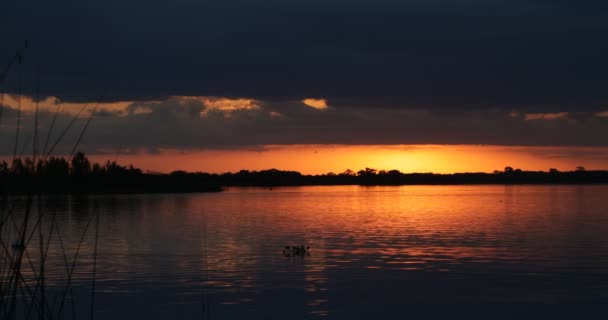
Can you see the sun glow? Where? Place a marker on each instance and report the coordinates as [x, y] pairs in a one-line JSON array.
[[319, 159]]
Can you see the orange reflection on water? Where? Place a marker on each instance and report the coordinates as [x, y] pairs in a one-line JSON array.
[[230, 243]]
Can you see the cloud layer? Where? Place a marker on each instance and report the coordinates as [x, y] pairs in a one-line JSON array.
[[538, 55], [234, 73], [195, 123]]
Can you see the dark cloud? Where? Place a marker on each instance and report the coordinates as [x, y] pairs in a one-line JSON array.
[[199, 123], [393, 72], [533, 55], [577, 153]]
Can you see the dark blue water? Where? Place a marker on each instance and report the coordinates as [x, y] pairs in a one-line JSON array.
[[376, 252]]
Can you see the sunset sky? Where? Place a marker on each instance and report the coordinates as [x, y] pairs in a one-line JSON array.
[[313, 86]]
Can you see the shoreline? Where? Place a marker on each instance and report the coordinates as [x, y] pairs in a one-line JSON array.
[[216, 189]]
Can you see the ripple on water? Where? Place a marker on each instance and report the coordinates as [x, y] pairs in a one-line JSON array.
[[374, 247]]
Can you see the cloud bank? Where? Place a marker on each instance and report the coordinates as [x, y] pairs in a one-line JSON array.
[[235, 73], [538, 55], [195, 123]]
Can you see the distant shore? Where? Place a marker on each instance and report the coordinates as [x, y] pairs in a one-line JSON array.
[[144, 183], [53, 175], [370, 177], [183, 182]]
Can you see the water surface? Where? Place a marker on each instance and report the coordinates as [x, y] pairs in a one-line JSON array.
[[376, 252]]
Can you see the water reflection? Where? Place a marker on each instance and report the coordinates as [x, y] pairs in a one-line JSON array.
[[373, 251]]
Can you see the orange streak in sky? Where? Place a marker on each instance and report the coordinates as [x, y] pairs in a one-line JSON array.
[[317, 159]]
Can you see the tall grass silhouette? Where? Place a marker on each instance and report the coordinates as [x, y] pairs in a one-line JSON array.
[[29, 230]]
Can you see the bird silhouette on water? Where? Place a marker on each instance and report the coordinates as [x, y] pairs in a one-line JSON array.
[[296, 251]]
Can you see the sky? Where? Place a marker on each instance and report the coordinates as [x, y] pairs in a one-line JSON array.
[[212, 85]]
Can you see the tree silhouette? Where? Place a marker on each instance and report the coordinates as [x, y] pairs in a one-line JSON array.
[[367, 172], [54, 167], [18, 168], [80, 165], [348, 172], [3, 167]]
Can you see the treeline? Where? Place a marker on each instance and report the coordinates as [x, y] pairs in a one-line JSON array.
[[79, 175], [370, 176], [77, 166]]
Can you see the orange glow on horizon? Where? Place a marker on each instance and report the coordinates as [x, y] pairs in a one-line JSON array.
[[318, 159]]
